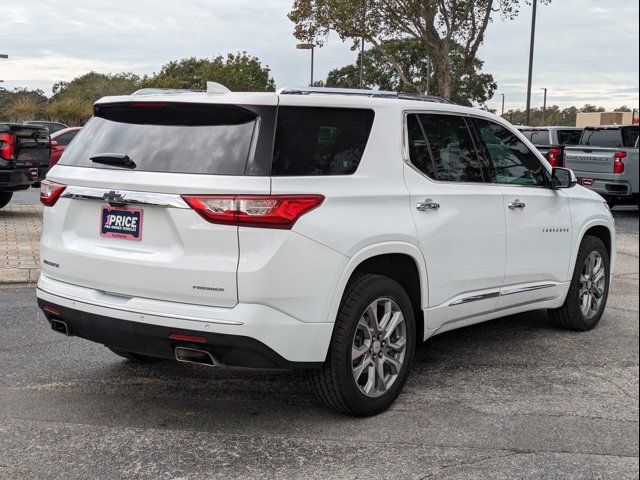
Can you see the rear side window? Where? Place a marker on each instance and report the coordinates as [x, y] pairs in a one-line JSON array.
[[602, 137], [64, 140], [176, 137], [320, 141], [540, 137], [630, 136], [442, 148]]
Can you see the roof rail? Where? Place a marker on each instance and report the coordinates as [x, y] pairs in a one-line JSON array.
[[163, 91], [361, 92]]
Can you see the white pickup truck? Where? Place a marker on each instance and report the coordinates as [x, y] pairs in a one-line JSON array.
[[606, 161]]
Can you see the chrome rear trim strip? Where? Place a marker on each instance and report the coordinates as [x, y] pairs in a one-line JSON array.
[[125, 197], [140, 312]]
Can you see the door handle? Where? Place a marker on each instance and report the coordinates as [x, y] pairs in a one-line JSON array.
[[517, 204], [427, 205]]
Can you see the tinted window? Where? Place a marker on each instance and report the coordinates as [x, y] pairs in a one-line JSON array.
[[450, 154], [176, 138], [527, 134], [320, 141], [512, 160], [630, 136], [569, 137], [602, 137], [63, 140], [540, 137]]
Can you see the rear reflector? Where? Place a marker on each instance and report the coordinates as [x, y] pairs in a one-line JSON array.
[[51, 310], [187, 338], [266, 211], [50, 192]]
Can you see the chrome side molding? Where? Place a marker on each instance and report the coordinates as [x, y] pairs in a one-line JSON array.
[[511, 290], [475, 298], [526, 288]]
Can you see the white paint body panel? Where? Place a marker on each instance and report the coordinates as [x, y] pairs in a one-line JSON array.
[[284, 288]]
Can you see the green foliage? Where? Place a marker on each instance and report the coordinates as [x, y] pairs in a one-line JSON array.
[[238, 72], [20, 104], [412, 57], [443, 29]]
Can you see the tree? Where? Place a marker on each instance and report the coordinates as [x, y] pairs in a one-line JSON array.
[[20, 104], [413, 59], [437, 25], [623, 108], [238, 72]]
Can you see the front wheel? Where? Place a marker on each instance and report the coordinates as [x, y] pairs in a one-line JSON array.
[[5, 198], [371, 350], [589, 289]]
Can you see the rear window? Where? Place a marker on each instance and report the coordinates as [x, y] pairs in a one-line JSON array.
[[320, 141], [602, 137], [176, 138], [630, 136], [540, 137], [569, 137]]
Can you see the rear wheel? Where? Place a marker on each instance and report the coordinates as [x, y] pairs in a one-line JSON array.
[[134, 357], [589, 289], [371, 350], [5, 198]]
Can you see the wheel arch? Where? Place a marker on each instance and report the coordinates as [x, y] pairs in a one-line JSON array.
[[600, 229], [401, 261]]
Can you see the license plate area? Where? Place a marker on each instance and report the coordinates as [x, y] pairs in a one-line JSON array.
[[587, 182], [121, 222]]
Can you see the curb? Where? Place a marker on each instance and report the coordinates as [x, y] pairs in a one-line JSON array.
[[12, 276]]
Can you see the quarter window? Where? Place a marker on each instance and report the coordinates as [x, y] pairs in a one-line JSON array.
[[442, 148], [513, 163], [320, 141]]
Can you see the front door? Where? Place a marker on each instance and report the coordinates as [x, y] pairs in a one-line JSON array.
[[539, 227], [459, 218]]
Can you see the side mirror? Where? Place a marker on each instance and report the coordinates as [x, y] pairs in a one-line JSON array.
[[563, 178]]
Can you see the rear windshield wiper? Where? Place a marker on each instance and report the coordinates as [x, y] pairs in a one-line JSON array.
[[114, 159]]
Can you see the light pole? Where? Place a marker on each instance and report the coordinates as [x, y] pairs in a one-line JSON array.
[[3, 55], [544, 108], [308, 46], [364, 18], [503, 104], [531, 45]]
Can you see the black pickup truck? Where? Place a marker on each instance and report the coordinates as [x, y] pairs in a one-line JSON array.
[[24, 158]]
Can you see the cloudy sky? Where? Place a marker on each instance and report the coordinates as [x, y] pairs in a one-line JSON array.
[[586, 50]]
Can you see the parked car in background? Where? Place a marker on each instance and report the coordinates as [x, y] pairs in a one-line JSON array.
[[551, 141], [53, 127], [606, 161], [59, 142], [324, 229], [24, 158]]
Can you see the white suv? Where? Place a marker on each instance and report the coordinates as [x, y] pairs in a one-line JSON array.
[[330, 230]]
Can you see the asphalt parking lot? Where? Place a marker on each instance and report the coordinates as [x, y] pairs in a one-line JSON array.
[[513, 398]]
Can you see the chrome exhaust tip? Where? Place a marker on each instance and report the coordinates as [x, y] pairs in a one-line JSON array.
[[59, 326], [193, 355]]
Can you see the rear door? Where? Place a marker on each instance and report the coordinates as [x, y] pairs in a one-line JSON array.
[[459, 217], [538, 221], [123, 228]]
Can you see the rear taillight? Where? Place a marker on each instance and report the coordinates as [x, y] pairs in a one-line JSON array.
[[266, 211], [50, 192], [7, 146], [618, 164], [555, 157]]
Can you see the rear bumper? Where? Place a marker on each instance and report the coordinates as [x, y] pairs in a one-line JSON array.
[[20, 178], [611, 188], [247, 335]]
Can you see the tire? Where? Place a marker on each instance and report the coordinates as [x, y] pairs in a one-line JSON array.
[[571, 315], [5, 198], [134, 357], [335, 383]]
